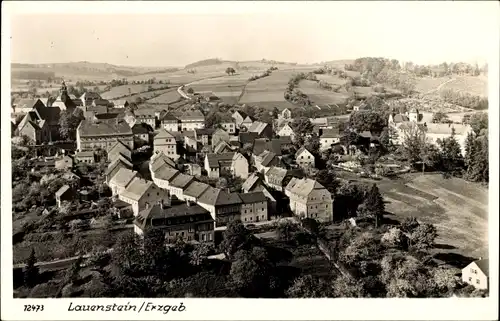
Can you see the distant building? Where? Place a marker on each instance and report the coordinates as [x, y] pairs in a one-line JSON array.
[[194, 190], [239, 166], [120, 181], [224, 207], [142, 134], [88, 98], [204, 136], [329, 138], [119, 149], [187, 221], [216, 163], [142, 194], [223, 147], [165, 142], [265, 161], [242, 120], [93, 134], [178, 184], [26, 105], [286, 131], [169, 122], [85, 157], [310, 199], [477, 273], [255, 184], [218, 136], [304, 158], [264, 130], [192, 120], [115, 166], [146, 115], [274, 177], [65, 193], [64, 163], [286, 114], [120, 103], [253, 207]]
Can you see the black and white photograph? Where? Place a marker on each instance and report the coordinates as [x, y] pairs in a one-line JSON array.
[[336, 152]]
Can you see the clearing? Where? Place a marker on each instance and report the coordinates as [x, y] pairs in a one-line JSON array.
[[128, 90]]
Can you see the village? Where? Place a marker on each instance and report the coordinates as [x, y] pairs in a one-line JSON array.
[[214, 180]]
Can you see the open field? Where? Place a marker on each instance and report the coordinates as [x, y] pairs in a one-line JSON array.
[[331, 79], [321, 96], [127, 90], [458, 208], [149, 94], [165, 98], [469, 84]]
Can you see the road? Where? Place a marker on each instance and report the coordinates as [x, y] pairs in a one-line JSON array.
[[182, 93]]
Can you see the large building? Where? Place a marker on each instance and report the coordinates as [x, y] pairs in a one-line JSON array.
[[165, 142], [141, 194], [187, 221], [192, 120], [310, 199], [92, 134], [223, 206]]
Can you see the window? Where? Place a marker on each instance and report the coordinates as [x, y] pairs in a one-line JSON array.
[[301, 157], [477, 281], [203, 237], [209, 236], [470, 279], [189, 237], [182, 233], [157, 193]]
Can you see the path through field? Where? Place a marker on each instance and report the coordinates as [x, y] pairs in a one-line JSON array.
[[438, 88]]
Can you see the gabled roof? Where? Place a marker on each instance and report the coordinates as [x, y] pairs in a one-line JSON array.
[[141, 128], [303, 186], [62, 190], [163, 134], [166, 173], [112, 127], [181, 181], [276, 172], [258, 127], [26, 103], [159, 160], [331, 133], [221, 147], [302, 150], [213, 159], [242, 113], [119, 147], [254, 197], [123, 177], [250, 182], [204, 131], [195, 189], [137, 188], [218, 197], [169, 118], [192, 115], [247, 137], [484, 265], [122, 162], [267, 158], [189, 133], [156, 211], [262, 144], [145, 113], [84, 154]]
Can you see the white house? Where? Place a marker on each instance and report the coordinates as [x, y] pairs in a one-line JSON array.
[[328, 138], [477, 273], [119, 182], [304, 158], [286, 130], [142, 194]]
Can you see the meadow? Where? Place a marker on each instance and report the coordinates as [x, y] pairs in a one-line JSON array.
[[128, 90], [320, 96], [166, 98], [477, 86]]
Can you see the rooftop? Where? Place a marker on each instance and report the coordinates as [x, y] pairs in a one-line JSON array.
[[218, 197], [123, 177], [255, 197], [181, 180], [157, 211], [137, 188], [303, 186], [113, 127], [195, 189]]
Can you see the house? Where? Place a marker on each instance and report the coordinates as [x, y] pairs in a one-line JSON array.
[[119, 182], [310, 199], [194, 191], [192, 120], [216, 163], [286, 114], [164, 175], [242, 120], [165, 142], [223, 206], [274, 177], [65, 193], [119, 149], [329, 138], [141, 194], [223, 147], [255, 184], [190, 222], [414, 120], [94, 134], [169, 122], [239, 166], [115, 166], [263, 130], [304, 158], [178, 184], [265, 161], [247, 138], [218, 136], [35, 126], [146, 115], [286, 131], [204, 135], [477, 273], [191, 145], [273, 145], [87, 98], [85, 157], [253, 207], [120, 103], [227, 123], [64, 163], [362, 108], [159, 160], [121, 209], [142, 133]]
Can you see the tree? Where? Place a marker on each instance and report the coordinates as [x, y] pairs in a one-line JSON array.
[[440, 117], [252, 273], [423, 236], [478, 122], [450, 153], [74, 273], [373, 205], [285, 230], [235, 237], [414, 143], [477, 159], [328, 179], [345, 287], [190, 90], [31, 271], [302, 126], [69, 122], [372, 121], [395, 238], [230, 71], [309, 286]]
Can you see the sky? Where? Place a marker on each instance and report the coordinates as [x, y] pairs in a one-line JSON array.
[[423, 32]]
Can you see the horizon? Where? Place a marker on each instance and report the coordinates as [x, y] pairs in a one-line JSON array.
[[146, 40]]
